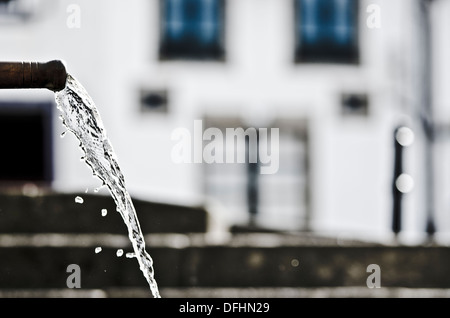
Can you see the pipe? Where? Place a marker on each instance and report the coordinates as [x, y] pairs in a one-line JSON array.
[[51, 75]]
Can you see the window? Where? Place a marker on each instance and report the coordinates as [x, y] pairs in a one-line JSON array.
[[284, 196], [326, 31], [17, 11], [154, 101], [192, 29], [271, 201], [26, 141], [355, 104]]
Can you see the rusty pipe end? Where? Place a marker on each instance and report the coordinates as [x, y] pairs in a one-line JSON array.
[[51, 75], [59, 75]]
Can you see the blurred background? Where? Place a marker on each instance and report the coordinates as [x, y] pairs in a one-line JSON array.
[[356, 88]]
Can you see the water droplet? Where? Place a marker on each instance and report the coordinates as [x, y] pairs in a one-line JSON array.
[[104, 212], [119, 252], [99, 187], [130, 255], [98, 250], [295, 262], [79, 199], [63, 134], [86, 191]]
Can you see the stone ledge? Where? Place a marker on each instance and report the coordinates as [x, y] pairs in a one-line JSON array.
[[227, 266], [198, 292], [58, 213]]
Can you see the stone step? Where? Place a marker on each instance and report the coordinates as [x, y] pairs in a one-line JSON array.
[[237, 261], [227, 293], [59, 213]]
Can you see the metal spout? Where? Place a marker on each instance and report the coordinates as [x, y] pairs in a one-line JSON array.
[[51, 75]]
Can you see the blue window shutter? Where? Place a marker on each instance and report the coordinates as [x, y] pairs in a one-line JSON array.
[[209, 21], [308, 25], [343, 21], [192, 16], [174, 19], [326, 20]]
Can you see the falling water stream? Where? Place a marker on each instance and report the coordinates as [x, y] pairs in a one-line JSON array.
[[81, 117]]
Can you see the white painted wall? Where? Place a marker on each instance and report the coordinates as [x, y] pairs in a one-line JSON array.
[[114, 53]]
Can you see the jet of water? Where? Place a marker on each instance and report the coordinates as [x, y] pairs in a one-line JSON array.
[[81, 117]]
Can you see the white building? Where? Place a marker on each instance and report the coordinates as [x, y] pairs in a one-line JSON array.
[[335, 77]]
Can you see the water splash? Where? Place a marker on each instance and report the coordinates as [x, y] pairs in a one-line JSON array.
[[81, 117], [79, 200]]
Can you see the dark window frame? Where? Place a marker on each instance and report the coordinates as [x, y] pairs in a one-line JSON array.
[[190, 48], [327, 51]]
